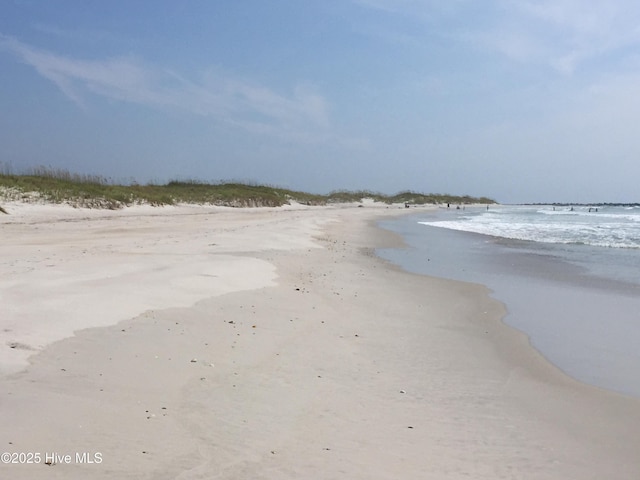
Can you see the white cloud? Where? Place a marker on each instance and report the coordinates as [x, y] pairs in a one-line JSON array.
[[561, 34], [575, 31], [221, 96], [579, 17]]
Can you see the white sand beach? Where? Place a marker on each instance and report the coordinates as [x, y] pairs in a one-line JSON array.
[[200, 342]]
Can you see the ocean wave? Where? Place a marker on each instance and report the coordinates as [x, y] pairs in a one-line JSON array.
[[610, 235]]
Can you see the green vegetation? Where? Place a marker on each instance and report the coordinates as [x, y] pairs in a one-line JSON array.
[[60, 186]]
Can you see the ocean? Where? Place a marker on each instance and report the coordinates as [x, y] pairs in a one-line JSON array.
[[568, 276]]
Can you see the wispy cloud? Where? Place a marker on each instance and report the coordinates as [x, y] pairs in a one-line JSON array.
[[419, 8], [219, 95], [571, 32], [561, 34]]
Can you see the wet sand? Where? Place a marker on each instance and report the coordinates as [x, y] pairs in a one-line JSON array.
[[581, 319], [232, 343]]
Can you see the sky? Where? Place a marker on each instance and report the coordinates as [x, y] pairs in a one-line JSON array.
[[520, 101]]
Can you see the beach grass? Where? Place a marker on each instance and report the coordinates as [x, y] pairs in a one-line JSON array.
[[91, 191]]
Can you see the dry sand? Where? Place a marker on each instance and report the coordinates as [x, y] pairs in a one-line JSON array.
[[272, 344]]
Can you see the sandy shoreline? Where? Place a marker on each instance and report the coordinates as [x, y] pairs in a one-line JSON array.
[[272, 344]]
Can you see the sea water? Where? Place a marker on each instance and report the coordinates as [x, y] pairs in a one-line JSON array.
[[569, 277]]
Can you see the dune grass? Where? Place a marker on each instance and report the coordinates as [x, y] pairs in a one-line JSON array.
[[61, 186]]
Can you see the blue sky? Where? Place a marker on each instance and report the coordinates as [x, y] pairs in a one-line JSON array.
[[522, 101]]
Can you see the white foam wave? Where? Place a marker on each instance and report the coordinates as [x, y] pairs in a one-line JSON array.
[[609, 230], [618, 216]]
